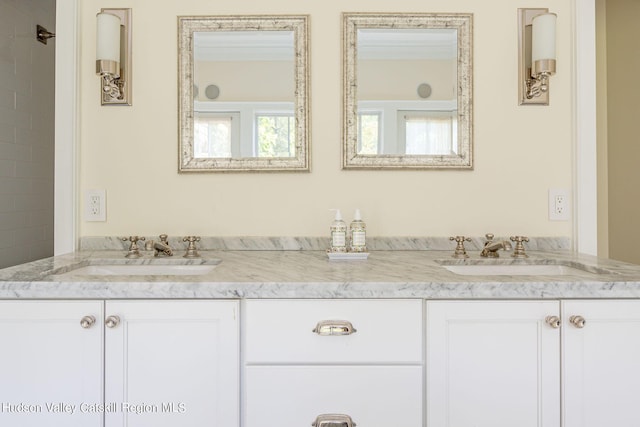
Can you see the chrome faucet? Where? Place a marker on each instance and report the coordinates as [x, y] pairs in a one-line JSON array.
[[159, 248], [162, 247], [491, 248]]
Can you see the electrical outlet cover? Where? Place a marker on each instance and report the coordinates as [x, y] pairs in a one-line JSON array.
[[95, 205], [559, 204]]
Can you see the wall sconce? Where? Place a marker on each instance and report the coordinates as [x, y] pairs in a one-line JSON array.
[[113, 55], [537, 55]]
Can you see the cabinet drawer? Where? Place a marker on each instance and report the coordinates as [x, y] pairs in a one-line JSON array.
[[294, 396], [282, 331]]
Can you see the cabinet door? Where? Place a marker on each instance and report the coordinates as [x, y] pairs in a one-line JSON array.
[[492, 364], [50, 366], [172, 363], [601, 364], [294, 396]]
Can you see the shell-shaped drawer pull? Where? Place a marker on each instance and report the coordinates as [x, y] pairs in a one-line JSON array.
[[333, 420], [87, 321], [577, 321], [553, 321], [112, 321], [334, 327]]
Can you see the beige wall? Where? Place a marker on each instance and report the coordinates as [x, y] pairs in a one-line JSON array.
[[601, 125], [520, 152], [623, 149], [399, 80], [247, 80]]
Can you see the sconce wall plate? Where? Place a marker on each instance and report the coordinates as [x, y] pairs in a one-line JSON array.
[[125, 61], [525, 21]]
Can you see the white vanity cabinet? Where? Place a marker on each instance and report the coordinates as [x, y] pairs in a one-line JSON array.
[[499, 363], [601, 363], [167, 363], [48, 362], [132, 363], [492, 363], [364, 361]]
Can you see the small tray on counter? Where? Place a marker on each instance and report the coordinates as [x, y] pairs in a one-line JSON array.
[[333, 256]]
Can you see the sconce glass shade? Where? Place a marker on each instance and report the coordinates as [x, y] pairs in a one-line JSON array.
[[543, 43], [108, 44]]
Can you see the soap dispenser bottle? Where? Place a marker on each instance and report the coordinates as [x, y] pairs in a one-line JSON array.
[[338, 229], [358, 233]]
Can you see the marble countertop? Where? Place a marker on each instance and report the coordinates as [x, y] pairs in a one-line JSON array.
[[310, 274]]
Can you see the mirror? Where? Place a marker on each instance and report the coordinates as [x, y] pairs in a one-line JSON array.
[[407, 91], [243, 93]]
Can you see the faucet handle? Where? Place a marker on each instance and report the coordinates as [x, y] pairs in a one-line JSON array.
[[134, 250], [164, 239], [489, 237], [192, 252], [460, 252], [519, 252]]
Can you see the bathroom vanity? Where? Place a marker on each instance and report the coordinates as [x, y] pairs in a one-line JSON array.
[[291, 338]]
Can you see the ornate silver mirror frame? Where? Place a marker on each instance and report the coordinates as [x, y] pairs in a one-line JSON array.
[[187, 26], [461, 157]]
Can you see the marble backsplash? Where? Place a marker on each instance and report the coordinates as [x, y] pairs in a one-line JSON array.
[[93, 243]]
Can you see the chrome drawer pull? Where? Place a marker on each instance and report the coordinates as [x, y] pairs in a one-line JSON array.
[[334, 327], [333, 420]]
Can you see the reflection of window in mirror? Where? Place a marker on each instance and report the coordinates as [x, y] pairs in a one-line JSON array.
[[389, 127], [433, 132], [257, 129], [275, 135], [369, 132], [216, 135]]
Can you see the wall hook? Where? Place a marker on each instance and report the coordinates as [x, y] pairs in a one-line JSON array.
[[42, 34]]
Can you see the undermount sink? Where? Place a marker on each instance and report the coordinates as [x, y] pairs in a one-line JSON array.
[[513, 270], [141, 270]]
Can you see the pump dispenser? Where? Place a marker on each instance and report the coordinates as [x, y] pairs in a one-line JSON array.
[[357, 233], [338, 229]]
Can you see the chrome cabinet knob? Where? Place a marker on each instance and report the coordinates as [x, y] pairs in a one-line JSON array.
[[333, 420], [87, 321], [577, 321], [334, 327], [553, 321], [112, 321]]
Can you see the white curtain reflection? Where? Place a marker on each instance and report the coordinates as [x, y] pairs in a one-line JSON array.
[[212, 136], [430, 133]]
